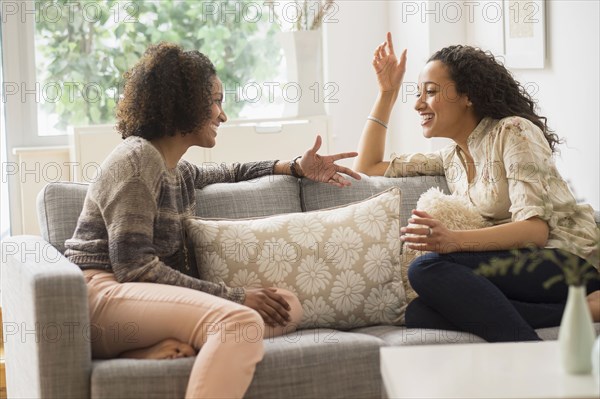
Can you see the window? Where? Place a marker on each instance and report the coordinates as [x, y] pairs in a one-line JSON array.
[[82, 48], [63, 61]]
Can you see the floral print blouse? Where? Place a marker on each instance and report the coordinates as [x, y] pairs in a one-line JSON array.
[[515, 179]]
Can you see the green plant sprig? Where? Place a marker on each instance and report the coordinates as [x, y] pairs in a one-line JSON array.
[[574, 271]]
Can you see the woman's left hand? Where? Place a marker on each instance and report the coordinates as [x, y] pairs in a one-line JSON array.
[[322, 168], [432, 236]]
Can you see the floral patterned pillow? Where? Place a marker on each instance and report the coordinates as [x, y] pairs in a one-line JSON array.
[[343, 263]]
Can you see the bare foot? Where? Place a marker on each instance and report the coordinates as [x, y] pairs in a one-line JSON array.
[[170, 348], [594, 304]]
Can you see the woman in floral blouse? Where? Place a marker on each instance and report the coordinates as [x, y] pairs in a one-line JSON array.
[[501, 160]]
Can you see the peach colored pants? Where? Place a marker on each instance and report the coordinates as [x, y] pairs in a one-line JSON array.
[[132, 316]]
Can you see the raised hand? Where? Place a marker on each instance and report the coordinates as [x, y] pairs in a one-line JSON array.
[[322, 168], [389, 70]]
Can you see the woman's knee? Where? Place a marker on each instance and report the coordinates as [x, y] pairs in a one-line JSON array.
[[244, 315], [296, 312], [238, 325], [420, 269]]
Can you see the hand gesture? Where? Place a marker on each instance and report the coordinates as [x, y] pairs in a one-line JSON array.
[[389, 70], [270, 305], [322, 168], [432, 235]]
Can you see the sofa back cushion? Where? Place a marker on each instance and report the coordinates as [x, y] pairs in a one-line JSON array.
[[58, 207], [269, 195], [60, 204], [320, 195]]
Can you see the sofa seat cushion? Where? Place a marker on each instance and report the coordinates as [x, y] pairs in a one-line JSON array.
[[400, 336], [319, 363], [551, 333], [307, 364], [131, 378]]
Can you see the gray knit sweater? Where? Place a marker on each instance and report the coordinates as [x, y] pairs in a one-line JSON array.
[[131, 222]]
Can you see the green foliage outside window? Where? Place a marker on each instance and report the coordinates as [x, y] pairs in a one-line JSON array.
[[82, 55]]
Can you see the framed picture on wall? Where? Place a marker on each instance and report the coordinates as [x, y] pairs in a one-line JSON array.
[[524, 34]]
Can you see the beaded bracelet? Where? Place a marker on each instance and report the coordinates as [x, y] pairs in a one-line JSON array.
[[293, 164]]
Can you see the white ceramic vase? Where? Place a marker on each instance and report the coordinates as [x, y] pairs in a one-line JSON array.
[[304, 92], [596, 360], [576, 335]]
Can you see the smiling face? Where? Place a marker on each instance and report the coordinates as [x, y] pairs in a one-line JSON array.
[[444, 112], [206, 135]]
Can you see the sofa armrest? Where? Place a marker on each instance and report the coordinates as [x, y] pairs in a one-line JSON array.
[[46, 322]]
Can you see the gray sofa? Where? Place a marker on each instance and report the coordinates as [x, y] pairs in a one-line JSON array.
[[47, 329]]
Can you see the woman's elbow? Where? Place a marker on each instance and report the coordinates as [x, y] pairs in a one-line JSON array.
[[359, 167], [377, 169], [541, 232]]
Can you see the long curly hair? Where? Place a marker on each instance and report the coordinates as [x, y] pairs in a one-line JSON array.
[[491, 88], [167, 92]]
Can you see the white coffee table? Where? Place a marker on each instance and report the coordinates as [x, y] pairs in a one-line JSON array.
[[503, 370]]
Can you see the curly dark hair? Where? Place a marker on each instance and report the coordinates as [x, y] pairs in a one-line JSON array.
[[167, 92], [491, 88]]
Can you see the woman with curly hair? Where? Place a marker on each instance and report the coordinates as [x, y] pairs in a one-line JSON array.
[[501, 160], [145, 297]]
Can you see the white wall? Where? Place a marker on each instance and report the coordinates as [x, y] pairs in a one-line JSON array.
[[569, 91], [568, 88], [411, 32], [349, 45], [422, 28]]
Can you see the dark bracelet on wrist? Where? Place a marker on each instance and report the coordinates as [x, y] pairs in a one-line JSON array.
[[294, 166]]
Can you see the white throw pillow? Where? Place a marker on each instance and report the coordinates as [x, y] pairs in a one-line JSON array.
[[454, 211], [343, 263]]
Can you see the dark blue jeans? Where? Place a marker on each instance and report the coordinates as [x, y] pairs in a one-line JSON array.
[[502, 308]]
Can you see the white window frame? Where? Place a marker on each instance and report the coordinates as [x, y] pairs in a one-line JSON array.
[[19, 69], [19, 74]]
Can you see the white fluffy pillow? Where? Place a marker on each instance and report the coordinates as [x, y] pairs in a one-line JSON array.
[[456, 212], [342, 263]]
